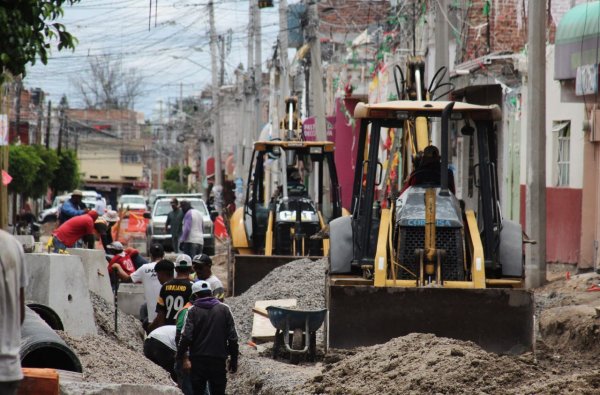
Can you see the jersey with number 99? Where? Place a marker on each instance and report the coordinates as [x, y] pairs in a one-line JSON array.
[[173, 296]]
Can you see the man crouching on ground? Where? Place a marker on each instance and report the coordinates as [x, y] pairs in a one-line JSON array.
[[208, 337]]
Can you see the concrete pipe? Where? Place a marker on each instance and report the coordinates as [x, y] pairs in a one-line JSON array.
[[41, 347]]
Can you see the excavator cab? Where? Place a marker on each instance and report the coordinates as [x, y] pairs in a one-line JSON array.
[[423, 260]]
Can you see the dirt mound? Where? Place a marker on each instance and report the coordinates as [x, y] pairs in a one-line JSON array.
[[105, 360], [423, 363], [567, 314], [303, 280], [111, 357]]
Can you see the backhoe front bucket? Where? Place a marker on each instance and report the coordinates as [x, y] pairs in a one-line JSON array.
[[250, 269], [498, 320]]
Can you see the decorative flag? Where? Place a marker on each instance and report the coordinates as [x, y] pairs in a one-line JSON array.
[[220, 229], [6, 178]]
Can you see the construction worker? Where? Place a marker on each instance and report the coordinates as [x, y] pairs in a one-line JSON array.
[[173, 224], [72, 207], [203, 270], [174, 294], [208, 338], [164, 270], [146, 275], [80, 227], [111, 217], [183, 378], [427, 171], [120, 259], [13, 281], [192, 235], [160, 348]]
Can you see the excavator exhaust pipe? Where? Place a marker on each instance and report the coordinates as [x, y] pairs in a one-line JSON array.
[[498, 320]]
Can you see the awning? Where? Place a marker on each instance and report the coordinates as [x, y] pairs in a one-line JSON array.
[[577, 40]]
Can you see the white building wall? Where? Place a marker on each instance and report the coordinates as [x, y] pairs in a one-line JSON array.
[[556, 111]]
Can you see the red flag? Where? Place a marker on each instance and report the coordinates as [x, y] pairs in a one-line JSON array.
[[136, 223], [6, 178], [220, 229]]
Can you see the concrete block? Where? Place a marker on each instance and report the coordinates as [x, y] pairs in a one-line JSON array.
[[95, 266], [59, 282], [131, 297], [27, 241]]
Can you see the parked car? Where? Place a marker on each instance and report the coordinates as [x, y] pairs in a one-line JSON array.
[[51, 214], [155, 231], [153, 195], [132, 202]]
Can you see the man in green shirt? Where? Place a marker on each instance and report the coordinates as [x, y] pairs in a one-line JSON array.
[[173, 224]]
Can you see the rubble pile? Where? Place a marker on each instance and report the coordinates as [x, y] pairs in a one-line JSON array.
[[424, 363], [303, 280], [106, 360], [115, 358], [129, 329]]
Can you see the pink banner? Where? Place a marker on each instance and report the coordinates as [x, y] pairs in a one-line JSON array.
[[309, 128]]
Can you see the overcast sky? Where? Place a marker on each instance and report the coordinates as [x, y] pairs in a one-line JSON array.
[[174, 51]]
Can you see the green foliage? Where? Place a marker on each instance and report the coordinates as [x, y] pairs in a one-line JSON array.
[[23, 165], [46, 173], [66, 176], [27, 28], [172, 186], [172, 173]]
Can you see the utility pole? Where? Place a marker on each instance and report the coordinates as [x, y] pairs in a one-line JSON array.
[[18, 108], [4, 152], [48, 123], [180, 123], [284, 81], [316, 73], [222, 59], [442, 58], [218, 186], [61, 126], [535, 265], [257, 68]]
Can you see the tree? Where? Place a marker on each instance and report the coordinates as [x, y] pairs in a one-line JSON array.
[[23, 165], [27, 30], [171, 183], [107, 86], [46, 173], [66, 176]]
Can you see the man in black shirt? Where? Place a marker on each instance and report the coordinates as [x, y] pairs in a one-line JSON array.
[[174, 294]]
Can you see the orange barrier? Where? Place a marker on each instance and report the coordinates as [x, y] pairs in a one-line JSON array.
[[39, 381]]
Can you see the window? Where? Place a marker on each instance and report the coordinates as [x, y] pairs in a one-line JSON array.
[[130, 156], [562, 131]]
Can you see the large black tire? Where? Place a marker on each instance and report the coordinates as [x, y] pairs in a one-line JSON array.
[[297, 340]]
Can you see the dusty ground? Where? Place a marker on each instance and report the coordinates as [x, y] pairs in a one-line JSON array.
[[566, 360]]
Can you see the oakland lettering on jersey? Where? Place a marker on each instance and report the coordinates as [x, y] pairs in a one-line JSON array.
[[175, 287]]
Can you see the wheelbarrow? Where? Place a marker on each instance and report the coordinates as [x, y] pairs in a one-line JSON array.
[[303, 324]]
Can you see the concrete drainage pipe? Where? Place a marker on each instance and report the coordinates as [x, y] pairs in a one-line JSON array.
[[41, 347]]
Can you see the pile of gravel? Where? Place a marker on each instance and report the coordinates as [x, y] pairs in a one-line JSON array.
[[105, 360], [303, 280], [129, 329]]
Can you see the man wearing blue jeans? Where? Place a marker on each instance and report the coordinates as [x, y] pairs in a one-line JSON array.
[[191, 240]]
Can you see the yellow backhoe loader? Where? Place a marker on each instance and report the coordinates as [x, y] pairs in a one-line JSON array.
[[281, 220], [416, 259]]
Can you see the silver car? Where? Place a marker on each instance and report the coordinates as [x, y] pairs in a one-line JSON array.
[[155, 232]]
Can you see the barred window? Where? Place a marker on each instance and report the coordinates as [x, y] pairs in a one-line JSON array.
[[562, 130]]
